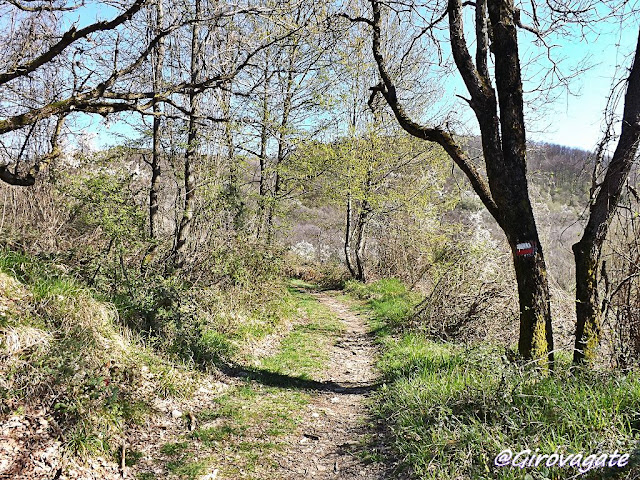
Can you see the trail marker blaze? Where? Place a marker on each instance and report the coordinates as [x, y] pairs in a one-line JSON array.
[[526, 249]]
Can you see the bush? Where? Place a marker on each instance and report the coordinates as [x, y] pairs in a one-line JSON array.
[[471, 294]]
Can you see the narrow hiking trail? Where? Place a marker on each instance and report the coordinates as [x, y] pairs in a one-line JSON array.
[[295, 408], [335, 428]]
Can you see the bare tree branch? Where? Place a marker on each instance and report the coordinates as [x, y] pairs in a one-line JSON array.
[[433, 134], [72, 35]]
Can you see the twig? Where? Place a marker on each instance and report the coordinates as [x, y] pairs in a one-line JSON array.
[[123, 460]]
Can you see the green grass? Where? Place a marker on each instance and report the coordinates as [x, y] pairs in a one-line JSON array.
[[450, 409], [250, 422], [182, 461], [298, 283], [389, 299], [99, 379], [303, 352]]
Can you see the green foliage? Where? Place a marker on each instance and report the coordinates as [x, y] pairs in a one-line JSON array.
[[395, 186], [244, 265], [458, 407], [390, 299], [105, 200], [206, 325], [450, 409]]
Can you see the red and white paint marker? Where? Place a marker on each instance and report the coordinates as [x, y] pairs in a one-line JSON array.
[[526, 249]]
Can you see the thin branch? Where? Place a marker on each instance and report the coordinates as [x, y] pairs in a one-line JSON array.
[[72, 35], [433, 134], [43, 7], [368, 21]]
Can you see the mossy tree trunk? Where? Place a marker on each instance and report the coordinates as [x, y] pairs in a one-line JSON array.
[[505, 191], [588, 250], [360, 242]]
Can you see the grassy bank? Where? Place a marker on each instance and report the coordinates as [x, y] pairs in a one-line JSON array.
[[65, 353], [74, 359], [70, 355], [451, 409]]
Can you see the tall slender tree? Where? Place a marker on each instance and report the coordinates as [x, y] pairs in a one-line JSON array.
[[193, 137], [156, 149], [499, 112], [604, 204]]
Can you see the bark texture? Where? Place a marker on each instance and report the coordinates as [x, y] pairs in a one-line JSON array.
[[587, 251], [347, 238], [505, 191], [158, 63], [184, 229]]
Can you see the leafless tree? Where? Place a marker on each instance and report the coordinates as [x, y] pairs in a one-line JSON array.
[[156, 150], [605, 198], [47, 73], [191, 152], [499, 110]]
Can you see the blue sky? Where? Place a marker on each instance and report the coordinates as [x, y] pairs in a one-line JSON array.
[[577, 119], [573, 116], [574, 119]]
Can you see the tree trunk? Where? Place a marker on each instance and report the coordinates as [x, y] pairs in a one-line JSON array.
[[504, 147], [587, 250], [536, 337], [262, 192], [360, 242], [588, 316], [233, 196], [363, 217], [282, 138], [184, 228], [158, 62], [277, 187], [347, 239], [508, 183]]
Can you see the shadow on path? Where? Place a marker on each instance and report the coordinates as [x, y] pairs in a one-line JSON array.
[[272, 379]]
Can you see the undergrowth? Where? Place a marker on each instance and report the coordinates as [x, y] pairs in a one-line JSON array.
[[450, 409], [63, 350], [77, 353]]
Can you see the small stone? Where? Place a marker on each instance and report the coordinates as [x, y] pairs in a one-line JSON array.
[[176, 413]]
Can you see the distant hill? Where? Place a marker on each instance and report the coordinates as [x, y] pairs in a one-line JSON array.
[[562, 172]]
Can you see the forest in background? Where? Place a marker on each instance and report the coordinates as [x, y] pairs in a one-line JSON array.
[[259, 151]]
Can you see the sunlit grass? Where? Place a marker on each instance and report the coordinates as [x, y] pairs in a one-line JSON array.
[[450, 409]]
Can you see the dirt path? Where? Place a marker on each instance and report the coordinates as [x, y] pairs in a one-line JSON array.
[[335, 426], [240, 416]]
